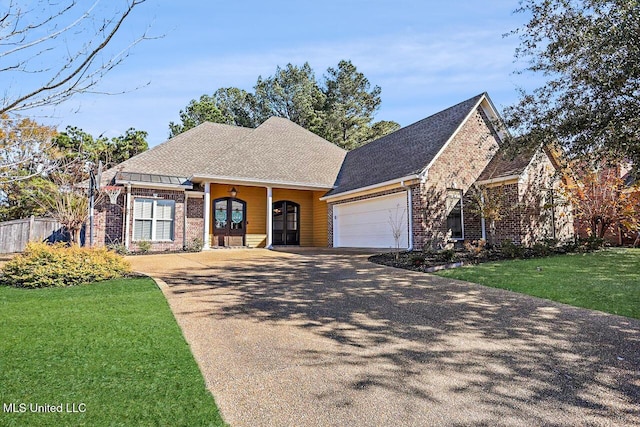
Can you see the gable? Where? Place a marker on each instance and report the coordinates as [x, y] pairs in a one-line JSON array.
[[403, 153]]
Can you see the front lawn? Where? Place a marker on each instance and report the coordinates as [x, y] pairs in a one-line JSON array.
[[109, 353], [607, 280]]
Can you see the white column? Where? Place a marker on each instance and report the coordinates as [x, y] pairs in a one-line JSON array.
[[269, 217], [207, 216]]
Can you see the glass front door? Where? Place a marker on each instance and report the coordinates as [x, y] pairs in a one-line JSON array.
[[229, 222], [286, 223]]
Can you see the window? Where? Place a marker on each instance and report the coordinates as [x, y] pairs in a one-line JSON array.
[[454, 213], [153, 219]]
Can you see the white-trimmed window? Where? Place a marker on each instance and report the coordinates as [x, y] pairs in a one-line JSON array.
[[454, 213], [153, 219]]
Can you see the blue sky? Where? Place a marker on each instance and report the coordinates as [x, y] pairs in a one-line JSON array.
[[425, 55]]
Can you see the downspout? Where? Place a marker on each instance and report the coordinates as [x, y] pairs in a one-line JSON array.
[[409, 214], [127, 219]]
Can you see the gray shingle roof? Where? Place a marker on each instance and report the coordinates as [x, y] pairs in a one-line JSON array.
[[402, 153], [277, 151], [505, 164]]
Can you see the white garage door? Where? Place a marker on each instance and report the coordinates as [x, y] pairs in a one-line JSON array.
[[370, 223]]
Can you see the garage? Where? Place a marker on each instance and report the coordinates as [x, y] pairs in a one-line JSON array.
[[370, 223]]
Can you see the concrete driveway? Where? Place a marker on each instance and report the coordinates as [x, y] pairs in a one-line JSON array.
[[329, 339]]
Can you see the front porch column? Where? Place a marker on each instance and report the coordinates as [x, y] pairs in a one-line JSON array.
[[207, 216], [269, 218]]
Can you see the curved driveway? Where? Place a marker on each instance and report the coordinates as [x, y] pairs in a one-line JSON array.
[[328, 339]]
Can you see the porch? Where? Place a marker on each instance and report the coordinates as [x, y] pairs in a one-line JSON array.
[[262, 216]]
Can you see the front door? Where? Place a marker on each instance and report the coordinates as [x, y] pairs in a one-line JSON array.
[[229, 222], [286, 223]]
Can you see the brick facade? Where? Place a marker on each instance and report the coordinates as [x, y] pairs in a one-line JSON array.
[[457, 167], [109, 219]]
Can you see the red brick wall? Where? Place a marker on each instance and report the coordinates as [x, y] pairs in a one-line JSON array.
[[108, 221], [457, 167], [178, 232], [195, 219]]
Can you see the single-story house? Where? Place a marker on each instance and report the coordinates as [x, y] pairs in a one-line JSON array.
[[279, 184]]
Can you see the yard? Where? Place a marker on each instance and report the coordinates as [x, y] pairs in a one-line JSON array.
[[607, 280], [109, 353]]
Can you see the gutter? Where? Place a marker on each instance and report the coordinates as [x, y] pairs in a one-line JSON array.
[[500, 179], [259, 182], [372, 187]]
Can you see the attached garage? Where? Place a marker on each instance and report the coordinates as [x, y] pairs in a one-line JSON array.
[[370, 223]]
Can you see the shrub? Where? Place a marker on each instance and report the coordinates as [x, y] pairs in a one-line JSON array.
[[446, 255], [144, 246], [476, 248], [591, 243], [510, 249], [416, 259], [118, 248], [43, 265], [541, 249], [195, 245]]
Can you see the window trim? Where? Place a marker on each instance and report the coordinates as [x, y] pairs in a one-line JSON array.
[[154, 219], [460, 192]]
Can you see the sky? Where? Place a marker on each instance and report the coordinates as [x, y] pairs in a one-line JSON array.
[[425, 55]]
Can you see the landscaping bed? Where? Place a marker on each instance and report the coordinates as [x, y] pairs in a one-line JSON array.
[[476, 252]]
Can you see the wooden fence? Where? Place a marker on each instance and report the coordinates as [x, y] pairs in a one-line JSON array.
[[14, 235]]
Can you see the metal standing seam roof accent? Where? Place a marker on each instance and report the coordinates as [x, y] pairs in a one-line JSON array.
[[153, 179]]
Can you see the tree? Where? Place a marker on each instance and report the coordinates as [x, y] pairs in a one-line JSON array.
[[24, 148], [83, 151], [350, 105], [490, 204], [237, 106], [341, 111], [292, 93], [123, 147], [602, 201], [589, 51], [380, 129], [197, 112], [50, 51]]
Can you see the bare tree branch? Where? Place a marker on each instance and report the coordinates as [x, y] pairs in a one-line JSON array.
[[27, 44]]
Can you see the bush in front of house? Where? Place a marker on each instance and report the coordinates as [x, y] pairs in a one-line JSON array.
[[42, 265]]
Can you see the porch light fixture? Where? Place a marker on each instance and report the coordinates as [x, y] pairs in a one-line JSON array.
[[233, 192]]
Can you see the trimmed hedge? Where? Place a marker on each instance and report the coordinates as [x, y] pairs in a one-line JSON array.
[[42, 265]]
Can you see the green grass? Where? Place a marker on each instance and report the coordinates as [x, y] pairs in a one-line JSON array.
[[607, 280], [113, 346]]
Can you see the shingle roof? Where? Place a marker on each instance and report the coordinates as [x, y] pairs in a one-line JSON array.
[[277, 151], [402, 153], [505, 164]]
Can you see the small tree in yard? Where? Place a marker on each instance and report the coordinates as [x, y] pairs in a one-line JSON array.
[[66, 200], [397, 226], [490, 204], [601, 200]]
